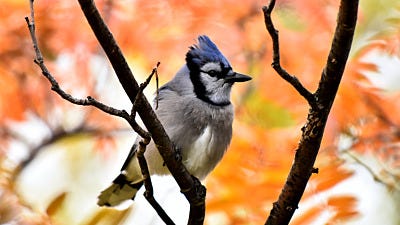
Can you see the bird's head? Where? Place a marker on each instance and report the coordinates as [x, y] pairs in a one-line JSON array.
[[210, 72]]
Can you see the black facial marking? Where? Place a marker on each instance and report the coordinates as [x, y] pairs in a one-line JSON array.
[[213, 73], [219, 74], [200, 88], [225, 69]]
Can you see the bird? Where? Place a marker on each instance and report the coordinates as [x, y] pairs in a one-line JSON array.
[[196, 111]]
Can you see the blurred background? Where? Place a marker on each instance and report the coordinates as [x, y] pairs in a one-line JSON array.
[[56, 157]]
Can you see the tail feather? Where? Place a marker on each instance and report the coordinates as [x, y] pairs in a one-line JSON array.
[[120, 190]]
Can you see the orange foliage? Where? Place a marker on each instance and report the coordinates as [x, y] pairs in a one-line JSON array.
[[309, 216], [330, 173], [9, 92], [344, 207]]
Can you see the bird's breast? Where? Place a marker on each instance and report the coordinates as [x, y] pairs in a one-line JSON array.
[[205, 152]]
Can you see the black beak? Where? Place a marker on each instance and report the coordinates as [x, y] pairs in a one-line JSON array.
[[237, 77]]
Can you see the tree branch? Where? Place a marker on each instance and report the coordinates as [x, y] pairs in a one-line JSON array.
[[190, 186], [89, 101], [146, 137], [313, 130], [276, 63], [148, 194]]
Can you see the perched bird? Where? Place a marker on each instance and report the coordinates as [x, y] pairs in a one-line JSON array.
[[197, 114]]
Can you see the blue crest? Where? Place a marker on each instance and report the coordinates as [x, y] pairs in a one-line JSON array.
[[205, 51]]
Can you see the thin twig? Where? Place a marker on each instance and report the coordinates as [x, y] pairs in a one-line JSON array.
[[157, 90], [377, 176], [139, 95], [89, 101], [146, 137], [144, 134], [148, 194], [276, 64]]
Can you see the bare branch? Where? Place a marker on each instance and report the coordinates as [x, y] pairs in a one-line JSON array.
[[148, 194], [313, 130], [89, 101], [139, 96], [276, 64], [146, 137], [378, 177]]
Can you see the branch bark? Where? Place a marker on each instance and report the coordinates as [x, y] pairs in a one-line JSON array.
[[313, 130], [276, 59]]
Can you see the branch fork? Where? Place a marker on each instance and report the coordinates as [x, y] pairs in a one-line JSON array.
[[276, 64], [320, 104]]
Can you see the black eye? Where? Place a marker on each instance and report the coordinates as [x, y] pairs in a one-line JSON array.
[[212, 73]]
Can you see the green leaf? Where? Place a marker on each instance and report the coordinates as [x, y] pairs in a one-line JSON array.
[[265, 113]]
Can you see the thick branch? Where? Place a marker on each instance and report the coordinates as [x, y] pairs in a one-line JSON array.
[[313, 130], [276, 63], [153, 125]]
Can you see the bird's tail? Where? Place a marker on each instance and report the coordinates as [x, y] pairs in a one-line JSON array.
[[120, 190]]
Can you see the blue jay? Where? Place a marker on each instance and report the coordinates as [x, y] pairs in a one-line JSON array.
[[197, 114]]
